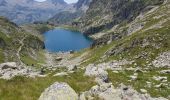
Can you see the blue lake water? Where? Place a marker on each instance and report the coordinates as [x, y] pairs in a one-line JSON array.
[[65, 40]]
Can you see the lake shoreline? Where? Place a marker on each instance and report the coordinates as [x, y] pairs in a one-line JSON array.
[[66, 40]]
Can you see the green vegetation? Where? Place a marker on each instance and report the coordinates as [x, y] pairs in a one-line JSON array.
[[1, 56], [36, 61], [22, 88]]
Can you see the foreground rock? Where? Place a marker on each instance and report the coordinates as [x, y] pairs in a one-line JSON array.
[[59, 91], [11, 69]]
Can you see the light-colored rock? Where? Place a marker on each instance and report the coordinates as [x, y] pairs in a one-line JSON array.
[[59, 91], [11, 69], [134, 77], [161, 85], [71, 67], [165, 72], [159, 78], [163, 60], [61, 74], [143, 90], [8, 65]]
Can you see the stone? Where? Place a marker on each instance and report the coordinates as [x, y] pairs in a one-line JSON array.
[[138, 70], [163, 60], [71, 67], [160, 85], [165, 72], [134, 77], [58, 59], [11, 69], [61, 74], [143, 90], [59, 91], [10, 65], [159, 78]]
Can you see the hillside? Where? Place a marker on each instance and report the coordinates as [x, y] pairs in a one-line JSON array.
[[16, 44], [103, 15], [129, 59]]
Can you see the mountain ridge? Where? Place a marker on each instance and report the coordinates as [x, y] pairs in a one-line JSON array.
[[24, 11]]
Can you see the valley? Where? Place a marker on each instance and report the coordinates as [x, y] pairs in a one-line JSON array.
[[128, 58]]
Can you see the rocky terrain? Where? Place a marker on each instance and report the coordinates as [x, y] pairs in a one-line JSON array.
[[129, 59], [68, 17]]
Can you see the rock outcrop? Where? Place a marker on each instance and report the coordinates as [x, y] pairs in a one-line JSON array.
[[11, 69], [163, 60]]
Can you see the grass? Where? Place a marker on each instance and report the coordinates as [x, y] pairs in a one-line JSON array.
[[22, 88], [1, 56], [34, 61]]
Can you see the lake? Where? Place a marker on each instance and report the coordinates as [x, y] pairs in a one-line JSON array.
[[65, 40]]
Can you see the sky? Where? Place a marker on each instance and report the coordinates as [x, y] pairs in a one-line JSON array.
[[68, 1]]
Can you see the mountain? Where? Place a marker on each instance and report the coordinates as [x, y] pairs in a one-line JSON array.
[[82, 4], [24, 11], [108, 13], [128, 60], [67, 17]]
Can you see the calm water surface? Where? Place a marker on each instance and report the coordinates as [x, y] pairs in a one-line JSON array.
[[65, 40]]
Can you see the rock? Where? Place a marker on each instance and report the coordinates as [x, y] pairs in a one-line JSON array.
[[159, 78], [8, 65], [134, 77], [161, 85], [165, 72], [115, 71], [59, 91], [10, 69], [58, 59], [163, 60], [138, 70], [143, 90], [61, 74], [71, 67], [82, 96]]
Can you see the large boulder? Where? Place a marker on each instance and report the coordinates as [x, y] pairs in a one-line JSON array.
[[59, 91], [8, 65]]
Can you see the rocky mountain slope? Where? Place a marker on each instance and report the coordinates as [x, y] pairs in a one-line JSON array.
[[103, 15], [24, 11], [129, 60], [67, 17]]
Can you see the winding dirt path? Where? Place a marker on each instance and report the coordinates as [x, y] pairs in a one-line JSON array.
[[19, 50]]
